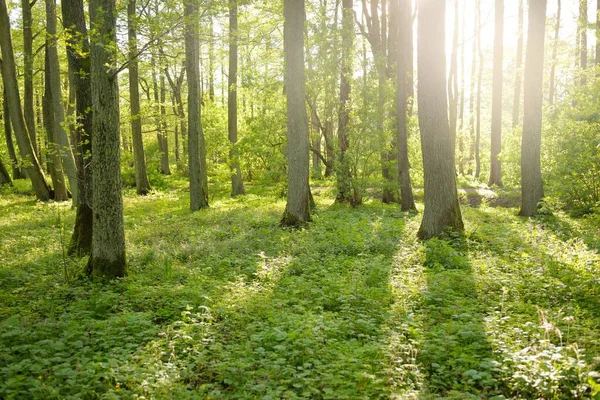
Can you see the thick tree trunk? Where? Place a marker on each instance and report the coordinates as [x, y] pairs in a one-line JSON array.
[[495, 163], [516, 111], [142, 185], [532, 189], [552, 90], [407, 202], [196, 147], [442, 211], [17, 171], [237, 185], [60, 136], [108, 258], [297, 209], [55, 166], [346, 190], [11, 85], [453, 82], [79, 66], [28, 108]]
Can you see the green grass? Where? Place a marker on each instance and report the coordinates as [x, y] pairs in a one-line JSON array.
[[223, 303]]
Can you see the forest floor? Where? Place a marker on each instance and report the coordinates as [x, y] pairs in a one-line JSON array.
[[223, 303]]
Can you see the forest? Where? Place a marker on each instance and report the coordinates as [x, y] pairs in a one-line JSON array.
[[300, 199]]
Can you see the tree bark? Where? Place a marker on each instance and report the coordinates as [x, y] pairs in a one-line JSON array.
[[79, 66], [532, 189], [477, 143], [583, 25], [237, 185], [165, 167], [17, 171], [297, 209], [56, 106], [4, 176], [346, 190], [403, 80], [516, 111], [196, 147], [552, 90], [28, 108], [11, 85], [442, 211], [453, 82], [55, 166], [496, 148], [142, 185], [108, 258]]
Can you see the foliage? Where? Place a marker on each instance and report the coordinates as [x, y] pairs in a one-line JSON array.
[[225, 304]]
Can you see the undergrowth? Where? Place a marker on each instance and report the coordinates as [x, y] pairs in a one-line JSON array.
[[223, 303]]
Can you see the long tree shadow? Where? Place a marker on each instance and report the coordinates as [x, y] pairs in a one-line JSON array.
[[456, 353]]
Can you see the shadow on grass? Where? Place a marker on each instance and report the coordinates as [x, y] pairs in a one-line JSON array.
[[456, 353]]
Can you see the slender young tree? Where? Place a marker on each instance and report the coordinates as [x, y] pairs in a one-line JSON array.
[[346, 192], [78, 48], [532, 189], [11, 85], [442, 211], [583, 42], [17, 171], [495, 163], [477, 142], [142, 185], [552, 90], [403, 80], [516, 111], [237, 185], [297, 209], [196, 146], [108, 258]]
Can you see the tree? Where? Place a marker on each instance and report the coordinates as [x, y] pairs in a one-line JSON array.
[[56, 105], [28, 109], [403, 80], [11, 85], [347, 192], [442, 211], [17, 172], [108, 241], [516, 116], [79, 68], [532, 189], [453, 80], [4, 176], [551, 93], [477, 142], [297, 209], [582, 27], [495, 163], [237, 185], [142, 184], [196, 146]]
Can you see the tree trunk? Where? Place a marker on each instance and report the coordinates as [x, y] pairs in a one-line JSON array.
[[453, 82], [11, 85], [56, 106], [4, 176], [346, 190], [237, 185], [410, 61], [552, 90], [79, 66], [28, 108], [297, 209], [442, 211], [17, 171], [479, 85], [472, 109], [532, 190], [142, 185], [108, 258], [165, 168], [211, 61], [583, 25], [55, 166], [196, 147], [495, 163], [460, 156], [404, 17], [516, 112]]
